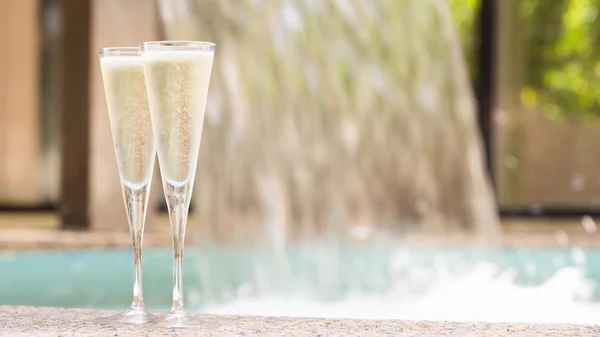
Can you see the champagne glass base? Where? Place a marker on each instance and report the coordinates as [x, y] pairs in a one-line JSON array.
[[129, 316], [182, 320]]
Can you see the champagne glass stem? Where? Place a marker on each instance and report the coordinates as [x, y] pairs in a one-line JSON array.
[[178, 202], [137, 204]]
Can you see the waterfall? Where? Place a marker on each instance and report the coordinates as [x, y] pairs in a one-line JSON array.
[[331, 126]]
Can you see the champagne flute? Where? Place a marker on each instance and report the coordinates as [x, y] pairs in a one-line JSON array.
[[131, 126], [177, 80]]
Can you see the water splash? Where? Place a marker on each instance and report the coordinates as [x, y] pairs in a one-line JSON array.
[[482, 294], [589, 224]]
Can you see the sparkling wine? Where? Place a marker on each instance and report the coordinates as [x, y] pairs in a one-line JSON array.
[[130, 121], [177, 83]]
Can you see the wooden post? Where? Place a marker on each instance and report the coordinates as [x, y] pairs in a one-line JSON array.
[[486, 81], [19, 116], [74, 208]]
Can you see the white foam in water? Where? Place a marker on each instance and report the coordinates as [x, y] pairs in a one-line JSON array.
[[480, 295]]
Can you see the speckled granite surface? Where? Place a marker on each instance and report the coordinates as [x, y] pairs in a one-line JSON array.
[[31, 321]]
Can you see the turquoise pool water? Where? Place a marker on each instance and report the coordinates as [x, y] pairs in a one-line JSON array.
[[312, 282]]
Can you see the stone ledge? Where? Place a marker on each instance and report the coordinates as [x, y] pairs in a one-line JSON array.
[[32, 239], [41, 238], [37, 321]]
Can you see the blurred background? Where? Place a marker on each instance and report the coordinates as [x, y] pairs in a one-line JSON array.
[[422, 159]]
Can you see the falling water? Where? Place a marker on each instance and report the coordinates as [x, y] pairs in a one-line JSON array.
[[333, 129]]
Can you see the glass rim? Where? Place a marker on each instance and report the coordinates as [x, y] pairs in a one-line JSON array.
[[120, 51], [177, 45]]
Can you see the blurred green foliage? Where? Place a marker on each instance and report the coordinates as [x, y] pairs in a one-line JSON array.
[[562, 66], [561, 54]]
